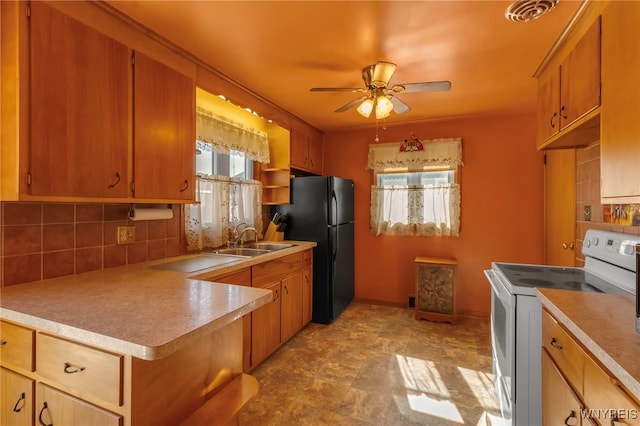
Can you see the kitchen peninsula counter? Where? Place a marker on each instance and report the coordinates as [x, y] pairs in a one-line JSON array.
[[138, 310], [605, 325]]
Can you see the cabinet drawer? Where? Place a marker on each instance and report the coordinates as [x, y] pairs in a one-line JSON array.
[[57, 408], [16, 348], [90, 372], [274, 270], [603, 392], [564, 350]]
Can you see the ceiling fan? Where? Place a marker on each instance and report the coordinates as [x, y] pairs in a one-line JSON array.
[[378, 95]]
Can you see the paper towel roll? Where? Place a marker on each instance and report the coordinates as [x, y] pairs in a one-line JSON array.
[[150, 214]]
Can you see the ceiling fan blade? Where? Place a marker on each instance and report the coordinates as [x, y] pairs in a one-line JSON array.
[[351, 104], [382, 73], [338, 89], [399, 107], [427, 86]]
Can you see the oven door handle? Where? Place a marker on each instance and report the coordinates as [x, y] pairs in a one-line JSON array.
[[497, 285]]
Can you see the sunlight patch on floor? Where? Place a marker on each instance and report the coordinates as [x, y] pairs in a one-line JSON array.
[[421, 376], [481, 384]]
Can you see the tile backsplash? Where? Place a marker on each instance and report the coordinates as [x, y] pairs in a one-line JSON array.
[[47, 240]]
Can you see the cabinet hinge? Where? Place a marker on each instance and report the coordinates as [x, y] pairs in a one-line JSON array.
[[27, 10], [544, 159], [133, 58], [28, 178], [133, 187]]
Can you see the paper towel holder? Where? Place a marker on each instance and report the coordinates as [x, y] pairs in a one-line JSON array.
[[150, 213]]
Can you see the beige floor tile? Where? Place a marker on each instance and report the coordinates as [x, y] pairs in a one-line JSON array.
[[377, 365]]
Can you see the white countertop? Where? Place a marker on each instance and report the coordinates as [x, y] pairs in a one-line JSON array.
[[137, 310]]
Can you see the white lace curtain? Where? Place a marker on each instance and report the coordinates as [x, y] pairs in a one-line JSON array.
[[421, 210], [221, 201], [224, 135]]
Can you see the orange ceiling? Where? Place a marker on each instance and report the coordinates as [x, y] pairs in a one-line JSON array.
[[280, 49]]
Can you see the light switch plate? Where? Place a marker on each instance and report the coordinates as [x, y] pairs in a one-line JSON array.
[[126, 234]]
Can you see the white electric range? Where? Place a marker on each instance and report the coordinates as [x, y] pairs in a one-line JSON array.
[[516, 329]]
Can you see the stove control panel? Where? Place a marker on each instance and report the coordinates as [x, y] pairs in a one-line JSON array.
[[613, 247]]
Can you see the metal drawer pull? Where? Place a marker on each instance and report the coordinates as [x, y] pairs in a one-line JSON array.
[[70, 368], [19, 403], [572, 415], [555, 343], [44, 407], [3, 342], [185, 185]]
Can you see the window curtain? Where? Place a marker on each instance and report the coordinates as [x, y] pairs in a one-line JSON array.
[[221, 201], [421, 210], [223, 135], [416, 210]]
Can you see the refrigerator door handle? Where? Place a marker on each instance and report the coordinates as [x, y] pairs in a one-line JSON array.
[[335, 246], [333, 220]]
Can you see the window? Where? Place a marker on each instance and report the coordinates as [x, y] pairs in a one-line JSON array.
[[416, 193], [235, 164]]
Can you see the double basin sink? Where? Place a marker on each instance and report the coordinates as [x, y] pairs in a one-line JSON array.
[[217, 257], [252, 250]]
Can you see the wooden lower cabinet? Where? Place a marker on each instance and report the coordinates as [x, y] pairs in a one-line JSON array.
[[560, 406], [57, 408], [574, 381], [291, 305], [265, 327], [307, 295], [16, 403]]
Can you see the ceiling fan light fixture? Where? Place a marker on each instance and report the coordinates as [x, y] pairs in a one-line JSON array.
[[384, 106], [366, 107]]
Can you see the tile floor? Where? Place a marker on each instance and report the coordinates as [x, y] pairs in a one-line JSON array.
[[377, 365]]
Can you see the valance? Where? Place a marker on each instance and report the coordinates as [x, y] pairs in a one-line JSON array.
[[436, 153], [224, 135]]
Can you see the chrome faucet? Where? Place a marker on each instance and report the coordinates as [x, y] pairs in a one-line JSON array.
[[244, 231], [236, 236]]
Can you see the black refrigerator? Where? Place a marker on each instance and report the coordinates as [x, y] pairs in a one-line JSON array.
[[321, 210]]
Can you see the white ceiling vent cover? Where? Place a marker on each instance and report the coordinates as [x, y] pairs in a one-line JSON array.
[[528, 10]]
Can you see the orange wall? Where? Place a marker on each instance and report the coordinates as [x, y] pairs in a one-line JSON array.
[[501, 208]]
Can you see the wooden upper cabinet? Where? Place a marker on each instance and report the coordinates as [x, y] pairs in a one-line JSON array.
[[548, 102], [164, 131], [620, 127], [569, 95], [79, 108], [315, 151], [299, 147], [580, 78], [306, 148]]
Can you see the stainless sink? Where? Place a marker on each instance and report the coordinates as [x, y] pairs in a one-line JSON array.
[[196, 263], [270, 246], [242, 251]]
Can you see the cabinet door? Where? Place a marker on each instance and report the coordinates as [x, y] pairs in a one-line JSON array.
[[164, 131], [580, 78], [299, 147], [16, 404], [560, 207], [291, 306], [79, 108], [620, 126], [265, 327], [548, 105], [315, 152], [57, 408], [307, 295], [559, 404]]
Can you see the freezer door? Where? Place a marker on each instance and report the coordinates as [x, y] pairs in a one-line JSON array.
[[341, 201]]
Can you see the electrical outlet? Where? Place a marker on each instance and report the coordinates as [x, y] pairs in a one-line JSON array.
[[126, 234]]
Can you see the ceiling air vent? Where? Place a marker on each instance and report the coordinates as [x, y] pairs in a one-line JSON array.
[[528, 10]]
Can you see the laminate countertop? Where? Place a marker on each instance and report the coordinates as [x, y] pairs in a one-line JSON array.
[[147, 310], [605, 325]]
